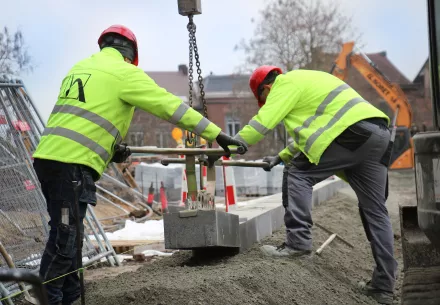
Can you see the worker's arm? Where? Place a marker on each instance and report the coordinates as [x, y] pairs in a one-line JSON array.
[[141, 91], [281, 100], [288, 153]]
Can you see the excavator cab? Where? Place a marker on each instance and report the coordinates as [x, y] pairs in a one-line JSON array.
[[420, 220]]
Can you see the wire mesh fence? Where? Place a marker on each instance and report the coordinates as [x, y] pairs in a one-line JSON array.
[[23, 214]]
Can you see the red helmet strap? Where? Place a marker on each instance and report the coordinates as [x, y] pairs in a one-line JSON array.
[[120, 43]]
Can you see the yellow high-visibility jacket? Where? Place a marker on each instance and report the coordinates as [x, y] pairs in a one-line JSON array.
[[315, 107], [95, 107]]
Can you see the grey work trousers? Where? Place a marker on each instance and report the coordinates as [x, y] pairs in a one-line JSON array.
[[368, 178]]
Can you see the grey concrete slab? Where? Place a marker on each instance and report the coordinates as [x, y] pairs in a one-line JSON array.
[[266, 215], [201, 229], [249, 222]]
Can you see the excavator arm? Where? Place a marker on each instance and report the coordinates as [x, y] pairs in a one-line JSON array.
[[402, 156], [390, 92]]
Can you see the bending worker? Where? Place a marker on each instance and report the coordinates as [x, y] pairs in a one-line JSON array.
[[335, 131], [93, 113]]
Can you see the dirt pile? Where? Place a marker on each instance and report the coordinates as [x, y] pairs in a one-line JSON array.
[[251, 278]]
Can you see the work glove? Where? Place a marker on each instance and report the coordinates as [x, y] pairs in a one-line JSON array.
[[273, 161], [122, 152], [224, 141]]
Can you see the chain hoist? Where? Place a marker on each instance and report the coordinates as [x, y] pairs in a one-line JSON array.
[[190, 8], [202, 199]]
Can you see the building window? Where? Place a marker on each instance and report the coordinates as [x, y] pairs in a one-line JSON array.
[[136, 138], [233, 126], [159, 139]]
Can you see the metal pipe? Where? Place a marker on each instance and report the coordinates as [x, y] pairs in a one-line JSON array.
[[97, 258], [92, 212], [98, 241], [220, 163], [112, 203], [117, 197], [112, 217], [245, 164], [185, 151], [5, 85], [5, 293], [121, 184]]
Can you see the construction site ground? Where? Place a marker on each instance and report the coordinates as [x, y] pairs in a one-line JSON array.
[[250, 277]]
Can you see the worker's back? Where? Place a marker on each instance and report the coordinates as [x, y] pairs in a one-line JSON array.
[[325, 106], [89, 116]]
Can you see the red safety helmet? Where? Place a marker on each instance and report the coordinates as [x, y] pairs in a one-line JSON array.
[[257, 78], [127, 33]]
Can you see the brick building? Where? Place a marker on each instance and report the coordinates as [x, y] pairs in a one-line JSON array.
[[231, 104], [146, 129]]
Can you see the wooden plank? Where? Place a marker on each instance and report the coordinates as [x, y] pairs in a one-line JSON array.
[[129, 243]]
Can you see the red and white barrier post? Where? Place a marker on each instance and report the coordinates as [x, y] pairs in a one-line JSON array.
[[184, 185], [229, 183]]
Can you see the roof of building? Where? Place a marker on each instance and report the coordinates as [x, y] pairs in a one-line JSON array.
[[388, 68], [175, 82], [420, 75], [226, 83]]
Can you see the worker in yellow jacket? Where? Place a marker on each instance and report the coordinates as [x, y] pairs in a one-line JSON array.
[[334, 131], [84, 134]]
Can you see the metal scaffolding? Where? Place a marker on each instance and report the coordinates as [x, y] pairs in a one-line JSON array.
[[23, 214]]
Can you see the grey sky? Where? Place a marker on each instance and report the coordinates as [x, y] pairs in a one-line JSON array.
[[60, 32]]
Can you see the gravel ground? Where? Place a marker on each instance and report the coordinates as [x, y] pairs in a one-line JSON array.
[[251, 278]]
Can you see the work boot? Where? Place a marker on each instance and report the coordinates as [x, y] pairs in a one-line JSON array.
[[380, 296], [283, 250]]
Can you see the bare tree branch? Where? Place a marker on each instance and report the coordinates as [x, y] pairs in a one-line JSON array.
[[14, 57], [296, 34]]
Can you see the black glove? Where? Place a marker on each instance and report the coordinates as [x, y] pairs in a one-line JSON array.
[[122, 152], [224, 141], [273, 161]]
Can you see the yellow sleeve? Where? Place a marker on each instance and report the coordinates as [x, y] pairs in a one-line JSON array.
[[281, 100], [141, 91], [288, 153]]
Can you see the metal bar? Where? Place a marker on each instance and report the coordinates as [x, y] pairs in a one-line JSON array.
[[5, 294], [6, 85], [112, 217], [104, 236], [245, 164], [98, 240], [134, 191], [185, 151], [12, 222], [191, 177], [112, 203], [35, 109], [117, 197], [220, 163], [11, 265], [97, 258]]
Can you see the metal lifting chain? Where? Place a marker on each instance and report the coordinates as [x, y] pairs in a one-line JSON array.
[[193, 50]]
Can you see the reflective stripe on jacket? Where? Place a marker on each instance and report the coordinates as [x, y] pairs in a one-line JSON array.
[[95, 107], [315, 106]]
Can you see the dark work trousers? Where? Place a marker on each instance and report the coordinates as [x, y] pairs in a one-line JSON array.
[[358, 153], [59, 182]]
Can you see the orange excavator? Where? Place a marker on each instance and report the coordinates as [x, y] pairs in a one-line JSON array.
[[403, 152]]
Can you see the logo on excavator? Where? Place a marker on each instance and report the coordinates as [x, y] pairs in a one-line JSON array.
[[381, 87]]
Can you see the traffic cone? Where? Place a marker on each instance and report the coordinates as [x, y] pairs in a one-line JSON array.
[[163, 198], [150, 197]]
